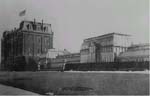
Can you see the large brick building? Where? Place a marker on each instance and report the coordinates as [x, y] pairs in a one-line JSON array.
[[22, 47], [104, 48]]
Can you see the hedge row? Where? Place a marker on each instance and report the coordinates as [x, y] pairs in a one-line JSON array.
[[108, 66]]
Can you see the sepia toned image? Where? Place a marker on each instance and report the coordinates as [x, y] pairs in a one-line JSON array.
[[74, 47]]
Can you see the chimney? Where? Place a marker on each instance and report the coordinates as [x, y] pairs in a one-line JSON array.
[[34, 20], [42, 24], [34, 26], [42, 21]]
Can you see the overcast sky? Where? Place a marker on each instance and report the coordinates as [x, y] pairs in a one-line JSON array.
[[74, 20]]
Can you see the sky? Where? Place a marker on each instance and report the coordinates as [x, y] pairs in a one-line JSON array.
[[75, 20]]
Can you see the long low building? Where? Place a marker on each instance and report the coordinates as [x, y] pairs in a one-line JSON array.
[[138, 53], [60, 60]]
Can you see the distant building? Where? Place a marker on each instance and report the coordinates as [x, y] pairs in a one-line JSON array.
[[47, 60], [22, 47], [70, 58], [138, 53], [52, 53], [104, 48], [60, 60]]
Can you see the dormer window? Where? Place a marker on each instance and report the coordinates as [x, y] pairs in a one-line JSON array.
[[44, 29], [38, 28], [28, 26], [34, 27]]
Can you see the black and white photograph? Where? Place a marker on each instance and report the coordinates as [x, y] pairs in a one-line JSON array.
[[74, 47]]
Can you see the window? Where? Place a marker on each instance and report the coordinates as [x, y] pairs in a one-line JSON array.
[[38, 28], [39, 40], [106, 59], [29, 51], [34, 27], [45, 41], [38, 50], [111, 49], [28, 26], [46, 28]]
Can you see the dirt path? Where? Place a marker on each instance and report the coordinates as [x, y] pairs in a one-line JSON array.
[[8, 90]]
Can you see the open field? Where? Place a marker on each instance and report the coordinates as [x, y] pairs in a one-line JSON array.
[[102, 83]]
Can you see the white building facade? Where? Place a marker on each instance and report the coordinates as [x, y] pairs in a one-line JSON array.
[[137, 53], [104, 48]]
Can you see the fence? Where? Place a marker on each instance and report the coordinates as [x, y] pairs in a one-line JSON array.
[[108, 66]]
